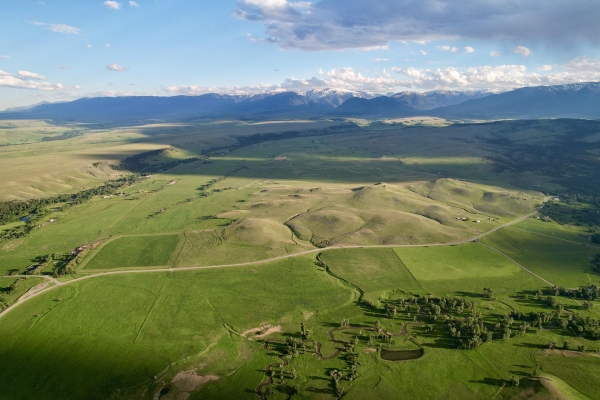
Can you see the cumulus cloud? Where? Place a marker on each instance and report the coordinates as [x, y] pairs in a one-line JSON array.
[[113, 5], [31, 75], [448, 48], [344, 24], [498, 78], [134, 4], [469, 49], [340, 79], [30, 80], [524, 51], [116, 67], [59, 28]]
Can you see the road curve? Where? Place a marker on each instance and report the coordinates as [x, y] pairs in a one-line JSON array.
[[312, 251]]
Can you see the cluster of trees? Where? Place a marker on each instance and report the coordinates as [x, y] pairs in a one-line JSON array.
[[584, 326], [572, 214], [590, 292], [471, 332], [204, 188], [18, 231], [62, 264], [11, 211], [349, 374], [12, 287], [587, 327], [35, 209], [488, 294], [282, 374], [67, 265], [63, 136], [306, 333], [41, 263], [293, 346], [7, 291]]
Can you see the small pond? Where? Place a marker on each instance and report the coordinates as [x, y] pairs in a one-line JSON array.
[[400, 355]]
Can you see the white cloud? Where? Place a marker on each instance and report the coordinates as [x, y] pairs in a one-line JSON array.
[[89, 46], [448, 48], [495, 53], [62, 28], [30, 80], [134, 4], [498, 78], [358, 24], [31, 75], [524, 51], [107, 45], [1, 56], [113, 5], [469, 49], [378, 59], [59, 28], [116, 67], [423, 52], [340, 79], [63, 67]]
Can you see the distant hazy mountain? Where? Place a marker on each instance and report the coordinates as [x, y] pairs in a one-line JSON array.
[[406, 104], [567, 101], [336, 97], [438, 98], [578, 100], [118, 109], [379, 107]]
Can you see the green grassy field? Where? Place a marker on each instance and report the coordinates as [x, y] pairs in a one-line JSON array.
[[421, 188], [135, 251]]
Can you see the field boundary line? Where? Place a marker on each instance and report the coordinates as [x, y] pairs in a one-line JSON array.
[[279, 258], [151, 308], [522, 267]]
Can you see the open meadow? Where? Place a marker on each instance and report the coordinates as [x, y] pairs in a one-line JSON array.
[[297, 259]]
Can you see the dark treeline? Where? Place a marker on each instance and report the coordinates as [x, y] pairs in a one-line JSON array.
[[583, 293], [596, 261], [35, 209], [568, 158], [140, 162], [246, 141], [572, 214], [64, 136]]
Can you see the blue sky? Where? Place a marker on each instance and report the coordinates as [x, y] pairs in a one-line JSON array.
[[56, 50]]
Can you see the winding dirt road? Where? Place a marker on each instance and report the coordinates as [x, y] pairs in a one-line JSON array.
[[58, 283]]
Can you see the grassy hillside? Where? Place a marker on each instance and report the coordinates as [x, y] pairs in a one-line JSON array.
[[339, 225]]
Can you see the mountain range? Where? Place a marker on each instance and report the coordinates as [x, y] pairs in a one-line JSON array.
[[580, 100]]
